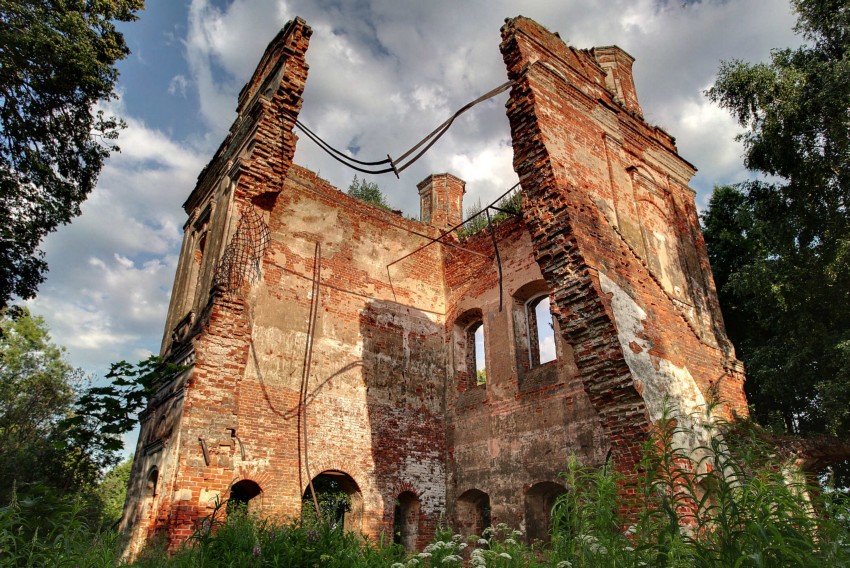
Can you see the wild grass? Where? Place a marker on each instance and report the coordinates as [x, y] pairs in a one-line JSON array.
[[736, 502]]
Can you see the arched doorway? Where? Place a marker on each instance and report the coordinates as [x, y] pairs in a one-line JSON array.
[[472, 512], [539, 501], [245, 495], [340, 501], [406, 520]]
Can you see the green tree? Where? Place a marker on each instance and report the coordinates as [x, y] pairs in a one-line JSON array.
[[53, 431], [37, 390], [113, 492], [780, 245], [369, 192], [57, 60]]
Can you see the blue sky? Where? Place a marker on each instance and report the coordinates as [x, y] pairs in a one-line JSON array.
[[382, 74]]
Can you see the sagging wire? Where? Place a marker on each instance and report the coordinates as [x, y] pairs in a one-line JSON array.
[[308, 360], [485, 211], [396, 166]]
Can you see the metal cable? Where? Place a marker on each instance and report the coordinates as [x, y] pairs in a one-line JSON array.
[[395, 165]]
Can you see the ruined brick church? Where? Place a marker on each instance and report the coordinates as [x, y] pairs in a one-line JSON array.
[[323, 336]]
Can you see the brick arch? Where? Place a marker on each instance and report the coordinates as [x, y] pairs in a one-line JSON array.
[[260, 477], [320, 465], [405, 486]]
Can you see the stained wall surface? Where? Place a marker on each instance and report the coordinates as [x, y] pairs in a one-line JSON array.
[[322, 335]]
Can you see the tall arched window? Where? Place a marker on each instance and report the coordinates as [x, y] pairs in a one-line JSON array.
[[541, 331], [470, 350], [534, 328]]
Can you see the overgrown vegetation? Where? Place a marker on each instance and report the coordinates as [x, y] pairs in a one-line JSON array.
[[779, 245], [368, 192], [734, 502], [506, 207]]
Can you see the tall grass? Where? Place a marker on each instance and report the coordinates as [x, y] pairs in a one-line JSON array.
[[736, 502]]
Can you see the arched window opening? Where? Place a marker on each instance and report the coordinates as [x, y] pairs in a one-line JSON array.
[[472, 512], [539, 501], [479, 357], [340, 501], [406, 520], [541, 331], [153, 479], [470, 344], [534, 328], [246, 496]]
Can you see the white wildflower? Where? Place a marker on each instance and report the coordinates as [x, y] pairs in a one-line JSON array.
[[424, 555], [504, 555], [510, 541], [482, 542], [462, 545], [457, 537], [413, 562], [452, 558], [564, 564], [397, 565], [598, 549]]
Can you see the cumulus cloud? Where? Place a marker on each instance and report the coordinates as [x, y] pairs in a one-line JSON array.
[[178, 85], [382, 74], [111, 270]]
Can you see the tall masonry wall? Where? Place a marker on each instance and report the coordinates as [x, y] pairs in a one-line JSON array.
[[314, 348], [615, 232]]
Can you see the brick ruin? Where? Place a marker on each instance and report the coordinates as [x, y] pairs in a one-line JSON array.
[[312, 351]]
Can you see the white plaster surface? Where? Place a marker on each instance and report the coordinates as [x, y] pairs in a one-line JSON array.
[[660, 382]]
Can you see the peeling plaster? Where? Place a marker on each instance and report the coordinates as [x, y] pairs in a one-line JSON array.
[[660, 383]]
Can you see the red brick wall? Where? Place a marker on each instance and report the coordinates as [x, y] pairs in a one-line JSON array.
[[609, 231], [641, 317]]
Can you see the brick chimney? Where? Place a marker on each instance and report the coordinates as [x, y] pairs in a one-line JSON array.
[[618, 75], [441, 200]]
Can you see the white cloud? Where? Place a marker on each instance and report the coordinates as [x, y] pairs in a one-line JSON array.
[[178, 85], [383, 73], [111, 270]]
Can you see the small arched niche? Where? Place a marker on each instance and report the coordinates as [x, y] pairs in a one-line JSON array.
[[245, 495], [539, 501], [472, 512], [406, 520]]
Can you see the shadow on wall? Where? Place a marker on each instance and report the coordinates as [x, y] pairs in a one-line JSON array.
[[404, 365]]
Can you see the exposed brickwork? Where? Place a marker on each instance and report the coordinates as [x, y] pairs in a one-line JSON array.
[[393, 408], [441, 200], [614, 230]]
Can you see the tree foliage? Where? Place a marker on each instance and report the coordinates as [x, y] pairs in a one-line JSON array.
[[57, 60], [369, 192], [37, 390], [780, 245], [58, 436], [113, 492]]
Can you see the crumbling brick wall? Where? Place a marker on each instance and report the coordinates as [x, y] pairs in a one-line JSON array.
[[283, 277], [615, 233]]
